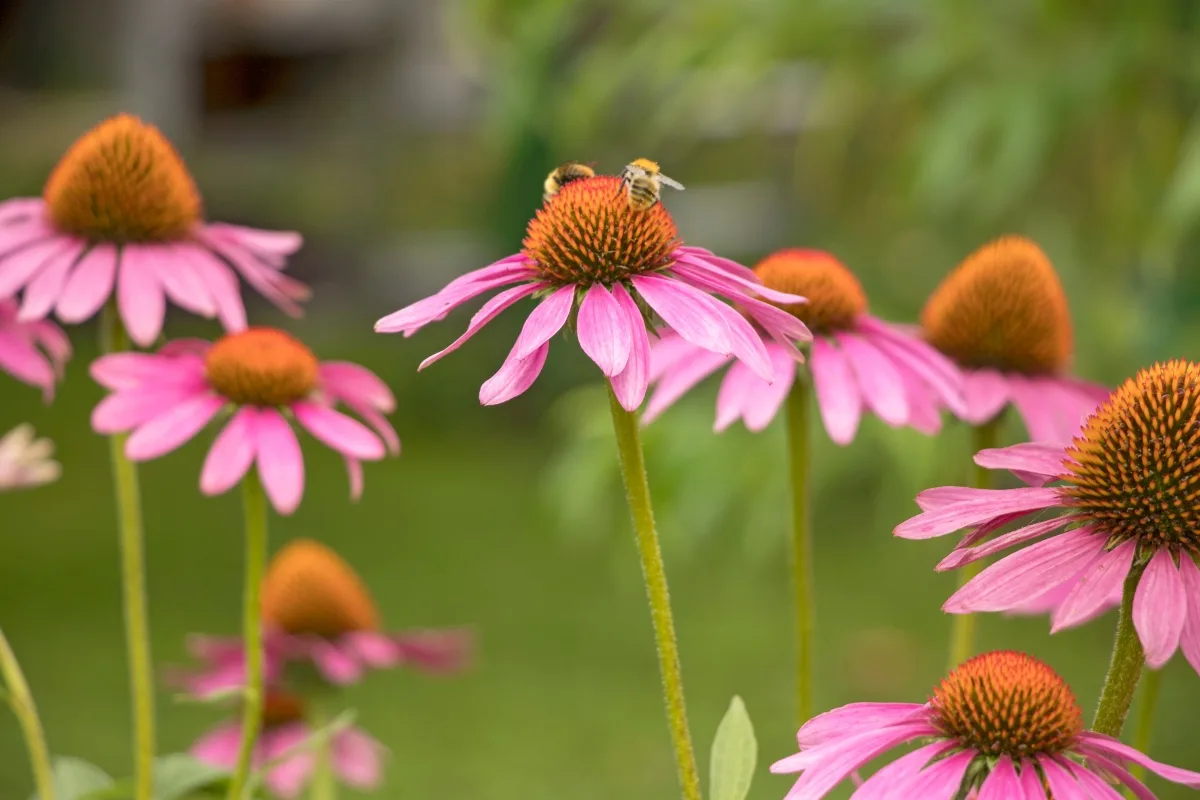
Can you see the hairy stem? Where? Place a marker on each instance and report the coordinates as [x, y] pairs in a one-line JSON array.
[[1125, 668], [21, 701], [798, 435]]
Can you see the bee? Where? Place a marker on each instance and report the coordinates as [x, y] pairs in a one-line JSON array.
[[643, 181], [564, 174]]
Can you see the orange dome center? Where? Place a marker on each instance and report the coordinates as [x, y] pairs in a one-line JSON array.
[[261, 367], [120, 182], [588, 233], [835, 297], [280, 708], [1007, 703], [309, 589], [1134, 469], [1003, 307]]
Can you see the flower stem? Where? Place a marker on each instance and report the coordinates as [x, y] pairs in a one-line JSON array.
[[962, 634], [798, 431], [1145, 719], [133, 580], [255, 509], [324, 782], [1125, 668], [21, 701], [637, 491]]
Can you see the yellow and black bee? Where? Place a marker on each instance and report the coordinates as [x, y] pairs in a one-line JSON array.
[[643, 181], [564, 174]]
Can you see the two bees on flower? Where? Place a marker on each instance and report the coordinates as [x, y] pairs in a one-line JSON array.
[[641, 180]]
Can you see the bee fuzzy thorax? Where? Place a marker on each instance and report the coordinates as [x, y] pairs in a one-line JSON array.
[[563, 174], [642, 181]]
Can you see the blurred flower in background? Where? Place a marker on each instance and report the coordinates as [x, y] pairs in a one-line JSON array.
[[856, 360], [26, 461], [121, 213], [168, 397], [287, 750], [1003, 316], [35, 352], [321, 622]]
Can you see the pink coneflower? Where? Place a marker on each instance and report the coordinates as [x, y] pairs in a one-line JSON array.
[[1128, 494], [260, 374], [318, 612], [356, 757], [589, 255], [1003, 316], [33, 352], [25, 460], [121, 212], [1002, 725], [857, 361]]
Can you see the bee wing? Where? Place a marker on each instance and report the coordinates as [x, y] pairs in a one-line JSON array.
[[674, 184]]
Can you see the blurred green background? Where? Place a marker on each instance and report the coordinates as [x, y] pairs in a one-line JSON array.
[[408, 141]]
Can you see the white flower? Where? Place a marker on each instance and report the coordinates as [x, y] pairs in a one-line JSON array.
[[26, 461]]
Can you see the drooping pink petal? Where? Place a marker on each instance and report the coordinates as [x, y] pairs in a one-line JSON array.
[[1002, 783], [293, 765], [514, 376], [990, 503], [942, 496], [783, 326], [825, 767], [935, 369], [986, 393], [853, 718], [280, 462], [1062, 781], [489, 311], [878, 379], [21, 209], [1037, 463], [219, 746], [24, 362], [966, 555], [1124, 753], [172, 428], [435, 651], [140, 298], [631, 383], [1045, 418], [1139, 789], [1189, 640], [546, 319], [603, 330], [1092, 592], [415, 316], [687, 310], [131, 408], [220, 282], [942, 778], [1160, 609], [231, 453], [346, 380], [22, 266], [1031, 782], [43, 291], [1096, 787], [894, 779], [748, 347], [1027, 572], [718, 274], [260, 273], [675, 383], [924, 406], [374, 649], [358, 759], [278, 244], [354, 474], [668, 352], [336, 663], [89, 285], [338, 431], [760, 408], [738, 386], [838, 396], [181, 283]]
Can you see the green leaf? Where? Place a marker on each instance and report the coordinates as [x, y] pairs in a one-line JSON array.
[[177, 775], [75, 778], [734, 755]]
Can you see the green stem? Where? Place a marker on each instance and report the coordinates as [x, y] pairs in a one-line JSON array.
[[962, 632], [798, 429], [255, 509], [1125, 668], [133, 580], [324, 783], [21, 700], [1145, 718], [637, 491]]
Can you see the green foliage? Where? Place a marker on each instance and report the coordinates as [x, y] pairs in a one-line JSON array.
[[177, 776], [734, 755], [76, 779]]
